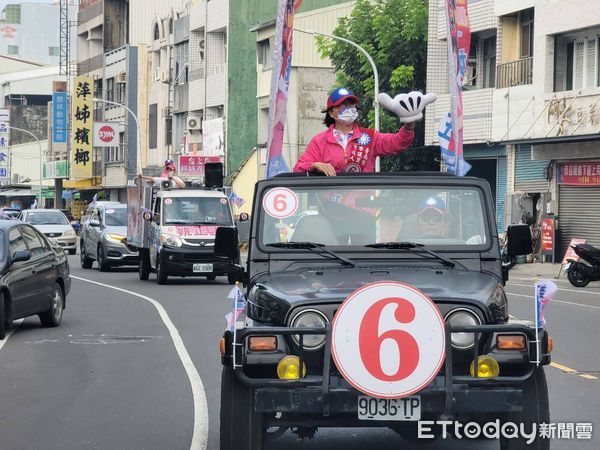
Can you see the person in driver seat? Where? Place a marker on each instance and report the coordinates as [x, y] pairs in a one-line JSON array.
[[430, 221]]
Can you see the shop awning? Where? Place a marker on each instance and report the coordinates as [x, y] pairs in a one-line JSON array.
[[86, 183], [17, 193]]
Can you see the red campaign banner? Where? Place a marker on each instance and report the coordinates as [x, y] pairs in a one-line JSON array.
[[193, 166], [547, 244], [570, 253], [579, 173]]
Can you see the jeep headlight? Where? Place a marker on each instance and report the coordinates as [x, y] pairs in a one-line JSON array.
[[309, 318], [171, 240], [462, 317]]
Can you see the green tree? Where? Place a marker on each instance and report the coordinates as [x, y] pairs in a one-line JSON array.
[[394, 33]]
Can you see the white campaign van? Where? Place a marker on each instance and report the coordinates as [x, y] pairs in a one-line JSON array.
[[175, 230]]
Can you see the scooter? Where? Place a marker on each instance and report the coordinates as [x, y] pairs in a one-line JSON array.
[[579, 273]]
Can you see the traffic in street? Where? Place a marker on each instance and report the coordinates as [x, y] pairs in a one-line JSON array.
[[132, 361]]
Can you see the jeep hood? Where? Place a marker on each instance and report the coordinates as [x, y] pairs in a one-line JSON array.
[[273, 295]]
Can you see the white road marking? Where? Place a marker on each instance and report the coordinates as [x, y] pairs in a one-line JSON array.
[[200, 435], [557, 301], [16, 325]]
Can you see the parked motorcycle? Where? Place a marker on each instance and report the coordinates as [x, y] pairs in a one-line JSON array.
[[580, 273]]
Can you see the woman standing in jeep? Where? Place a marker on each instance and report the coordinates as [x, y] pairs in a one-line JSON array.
[[347, 147]]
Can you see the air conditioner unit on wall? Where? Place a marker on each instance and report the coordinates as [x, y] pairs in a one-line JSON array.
[[121, 78], [166, 77], [194, 123], [156, 74]]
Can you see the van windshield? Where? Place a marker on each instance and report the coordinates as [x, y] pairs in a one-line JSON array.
[[196, 211]]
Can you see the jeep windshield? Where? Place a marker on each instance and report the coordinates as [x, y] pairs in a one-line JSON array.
[[196, 211], [354, 216]]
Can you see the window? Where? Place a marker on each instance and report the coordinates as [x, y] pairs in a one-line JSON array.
[[53, 51], [110, 89], [36, 247], [12, 50], [527, 33], [153, 125], [471, 75], [12, 14], [168, 130], [171, 26], [15, 242], [489, 62], [264, 54], [156, 35], [121, 92], [576, 62]]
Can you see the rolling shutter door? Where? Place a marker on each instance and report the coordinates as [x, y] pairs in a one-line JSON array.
[[578, 215], [530, 175], [501, 192]]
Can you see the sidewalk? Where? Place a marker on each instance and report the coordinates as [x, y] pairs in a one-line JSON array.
[[536, 270]]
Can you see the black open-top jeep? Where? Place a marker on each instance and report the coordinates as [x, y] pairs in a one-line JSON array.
[[316, 241]]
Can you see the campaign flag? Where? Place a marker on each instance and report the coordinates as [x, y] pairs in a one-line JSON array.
[[280, 79], [459, 42], [238, 307], [544, 292], [34, 204], [236, 199], [94, 198]]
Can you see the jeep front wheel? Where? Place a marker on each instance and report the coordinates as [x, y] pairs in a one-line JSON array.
[[241, 427], [536, 410]]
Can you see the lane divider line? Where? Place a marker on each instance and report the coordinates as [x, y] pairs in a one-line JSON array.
[[200, 435], [560, 289], [557, 301], [570, 371], [16, 325]]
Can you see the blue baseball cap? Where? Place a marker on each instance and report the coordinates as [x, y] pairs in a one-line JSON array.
[[433, 202], [339, 96]]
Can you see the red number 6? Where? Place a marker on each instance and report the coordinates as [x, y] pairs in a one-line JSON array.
[[279, 202], [370, 341]]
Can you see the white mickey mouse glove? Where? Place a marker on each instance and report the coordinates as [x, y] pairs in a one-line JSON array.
[[408, 107]]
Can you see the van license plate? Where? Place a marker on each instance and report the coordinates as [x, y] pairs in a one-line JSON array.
[[200, 268], [406, 409]]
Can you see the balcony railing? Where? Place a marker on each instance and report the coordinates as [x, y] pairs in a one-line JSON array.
[[514, 73]]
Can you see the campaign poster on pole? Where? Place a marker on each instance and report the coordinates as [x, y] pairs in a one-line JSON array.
[[82, 120], [4, 142]]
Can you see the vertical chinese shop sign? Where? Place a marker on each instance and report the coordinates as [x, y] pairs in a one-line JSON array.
[[83, 120]]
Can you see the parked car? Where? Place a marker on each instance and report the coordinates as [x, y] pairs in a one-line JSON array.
[[54, 224], [34, 276], [10, 212], [103, 237]]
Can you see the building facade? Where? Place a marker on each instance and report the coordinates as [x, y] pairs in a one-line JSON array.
[[530, 108], [30, 31]]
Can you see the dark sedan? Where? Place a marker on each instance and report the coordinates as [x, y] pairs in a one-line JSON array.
[[34, 276]]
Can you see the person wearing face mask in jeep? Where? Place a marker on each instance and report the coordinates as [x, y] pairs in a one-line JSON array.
[[345, 146]]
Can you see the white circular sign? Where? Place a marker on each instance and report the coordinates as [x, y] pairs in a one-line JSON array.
[[280, 203], [388, 339]]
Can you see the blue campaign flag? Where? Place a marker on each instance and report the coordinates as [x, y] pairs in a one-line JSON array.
[[59, 117]]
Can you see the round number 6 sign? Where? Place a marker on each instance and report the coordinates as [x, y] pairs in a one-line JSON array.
[[280, 203], [388, 339]]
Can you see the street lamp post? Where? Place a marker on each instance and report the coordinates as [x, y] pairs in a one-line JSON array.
[[40, 149], [373, 66], [137, 124]]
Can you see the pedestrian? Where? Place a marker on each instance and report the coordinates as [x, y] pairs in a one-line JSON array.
[[168, 174], [345, 146]]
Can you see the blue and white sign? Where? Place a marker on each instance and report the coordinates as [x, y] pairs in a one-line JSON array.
[[59, 117], [3, 173], [4, 129]]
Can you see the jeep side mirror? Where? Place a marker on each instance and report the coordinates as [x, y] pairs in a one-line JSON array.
[[226, 242], [519, 240]]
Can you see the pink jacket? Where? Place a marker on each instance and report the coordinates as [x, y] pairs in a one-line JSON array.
[[360, 152]]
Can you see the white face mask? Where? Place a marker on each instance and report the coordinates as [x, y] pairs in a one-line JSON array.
[[348, 115]]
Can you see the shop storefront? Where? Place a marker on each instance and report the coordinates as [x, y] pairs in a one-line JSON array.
[[578, 202]]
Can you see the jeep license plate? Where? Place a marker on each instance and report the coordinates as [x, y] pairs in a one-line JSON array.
[[406, 409], [200, 268]]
